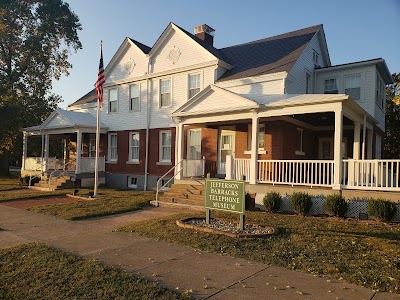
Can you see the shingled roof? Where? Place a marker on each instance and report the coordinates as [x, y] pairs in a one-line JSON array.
[[275, 54], [90, 97], [270, 55]]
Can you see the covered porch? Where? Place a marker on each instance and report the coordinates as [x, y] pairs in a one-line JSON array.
[[314, 140], [76, 132]]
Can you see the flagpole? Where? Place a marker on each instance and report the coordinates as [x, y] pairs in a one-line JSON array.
[[96, 162]]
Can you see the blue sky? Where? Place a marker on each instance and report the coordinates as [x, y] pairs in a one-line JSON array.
[[355, 29]]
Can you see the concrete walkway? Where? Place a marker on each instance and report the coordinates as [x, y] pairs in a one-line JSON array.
[[205, 275]]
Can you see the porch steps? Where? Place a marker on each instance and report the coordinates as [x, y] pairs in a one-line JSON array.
[[55, 184], [184, 194]]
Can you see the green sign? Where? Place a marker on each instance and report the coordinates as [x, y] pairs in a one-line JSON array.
[[227, 195]]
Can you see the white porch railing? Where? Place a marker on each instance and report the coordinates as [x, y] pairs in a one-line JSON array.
[[35, 163], [296, 172], [241, 167], [88, 164], [372, 174]]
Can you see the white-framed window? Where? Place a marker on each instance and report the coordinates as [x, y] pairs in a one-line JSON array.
[[134, 146], [165, 93], [194, 144], [194, 84], [134, 97], [261, 137], [165, 145], [113, 100], [316, 58], [308, 83], [92, 147], [132, 182], [331, 86], [112, 147], [352, 86], [299, 142], [380, 92]]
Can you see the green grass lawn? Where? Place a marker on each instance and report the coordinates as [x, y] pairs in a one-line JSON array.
[[361, 252], [108, 202], [9, 183], [34, 271]]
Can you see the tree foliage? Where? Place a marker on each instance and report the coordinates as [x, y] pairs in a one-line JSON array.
[[36, 37], [392, 134]]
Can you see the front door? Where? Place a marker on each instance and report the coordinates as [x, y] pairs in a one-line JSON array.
[[325, 150], [226, 147]]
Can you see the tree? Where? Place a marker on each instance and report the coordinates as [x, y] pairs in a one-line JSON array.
[[36, 37], [392, 135]]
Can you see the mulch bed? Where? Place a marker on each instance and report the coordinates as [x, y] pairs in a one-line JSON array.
[[40, 201]]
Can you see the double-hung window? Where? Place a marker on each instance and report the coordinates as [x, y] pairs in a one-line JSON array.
[[134, 146], [352, 86], [165, 146], [380, 92], [165, 93], [331, 86], [134, 97], [194, 144], [92, 147], [113, 100], [194, 84], [112, 147], [261, 137]]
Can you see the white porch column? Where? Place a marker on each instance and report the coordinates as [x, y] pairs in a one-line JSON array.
[[254, 149], [229, 168], [78, 151], [356, 144], [179, 149], [24, 149], [46, 152], [338, 148], [370, 136]]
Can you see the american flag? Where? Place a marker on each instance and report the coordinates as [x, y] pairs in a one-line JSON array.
[[100, 79]]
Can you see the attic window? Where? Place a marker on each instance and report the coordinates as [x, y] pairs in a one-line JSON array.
[[315, 58]]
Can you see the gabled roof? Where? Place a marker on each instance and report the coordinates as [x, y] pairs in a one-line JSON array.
[[269, 55], [90, 97], [145, 49], [66, 119], [275, 54]]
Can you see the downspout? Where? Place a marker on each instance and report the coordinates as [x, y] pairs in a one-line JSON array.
[[146, 161]]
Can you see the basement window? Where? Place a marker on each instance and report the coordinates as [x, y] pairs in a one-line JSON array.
[[132, 182]]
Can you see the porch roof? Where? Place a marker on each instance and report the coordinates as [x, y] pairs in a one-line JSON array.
[[217, 100], [64, 120]]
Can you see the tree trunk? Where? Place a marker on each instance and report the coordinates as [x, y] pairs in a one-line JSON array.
[[4, 164]]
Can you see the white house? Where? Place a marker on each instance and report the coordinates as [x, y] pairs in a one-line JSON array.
[[273, 110]]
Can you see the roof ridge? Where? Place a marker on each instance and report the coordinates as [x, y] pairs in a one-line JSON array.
[[290, 33]]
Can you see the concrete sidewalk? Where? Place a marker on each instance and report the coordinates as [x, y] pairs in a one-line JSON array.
[[205, 275]]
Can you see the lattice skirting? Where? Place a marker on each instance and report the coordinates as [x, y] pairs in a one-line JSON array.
[[358, 207]]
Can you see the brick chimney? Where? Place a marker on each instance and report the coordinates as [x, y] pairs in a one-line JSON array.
[[205, 33]]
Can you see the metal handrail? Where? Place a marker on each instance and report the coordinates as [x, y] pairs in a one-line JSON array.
[[62, 173], [40, 168], [161, 178]]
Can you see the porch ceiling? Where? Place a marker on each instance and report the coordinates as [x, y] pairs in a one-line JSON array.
[[321, 119]]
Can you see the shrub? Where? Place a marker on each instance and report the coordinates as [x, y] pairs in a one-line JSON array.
[[25, 180], [301, 203], [272, 201], [381, 209], [335, 205], [250, 202]]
